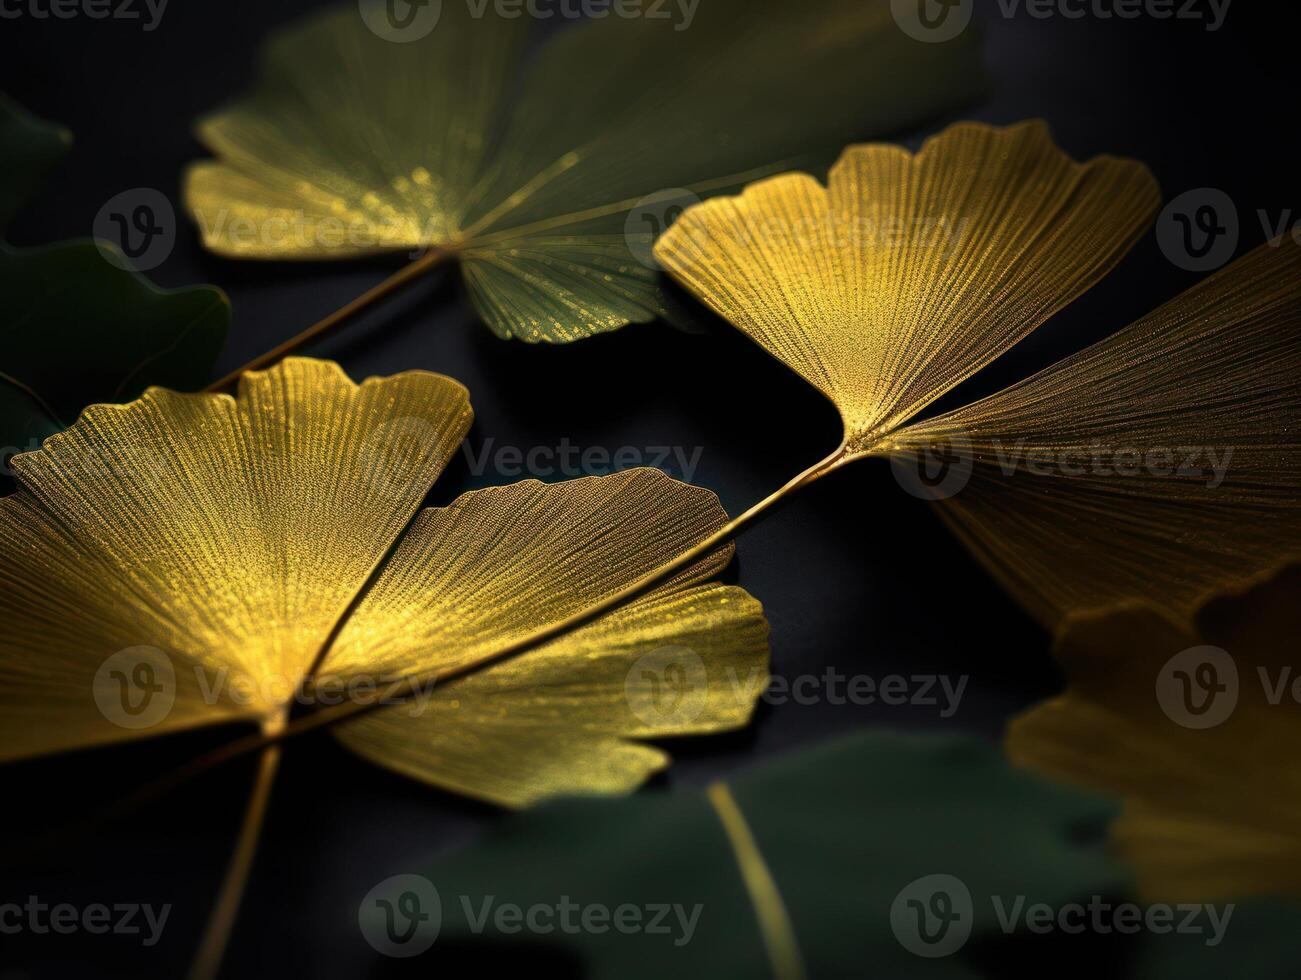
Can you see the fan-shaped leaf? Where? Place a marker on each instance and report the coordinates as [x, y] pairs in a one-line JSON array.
[[908, 274], [185, 560], [81, 328], [1189, 724], [354, 143]]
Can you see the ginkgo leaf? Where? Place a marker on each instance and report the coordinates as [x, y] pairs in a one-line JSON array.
[[190, 559], [559, 718], [794, 869], [79, 327], [907, 274], [363, 138], [1161, 463], [1188, 722]]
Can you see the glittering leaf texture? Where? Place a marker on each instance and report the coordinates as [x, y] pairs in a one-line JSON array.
[[793, 869], [220, 541], [1189, 723], [79, 328], [358, 140], [909, 273]]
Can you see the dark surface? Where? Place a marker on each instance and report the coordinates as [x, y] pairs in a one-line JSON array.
[[854, 573]]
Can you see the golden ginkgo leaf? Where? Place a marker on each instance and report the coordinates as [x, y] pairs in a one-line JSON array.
[[547, 176], [1188, 722], [185, 560], [908, 274]]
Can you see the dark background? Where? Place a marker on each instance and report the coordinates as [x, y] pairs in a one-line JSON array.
[[853, 573]]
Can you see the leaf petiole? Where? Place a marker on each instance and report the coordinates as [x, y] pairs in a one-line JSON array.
[[393, 284]]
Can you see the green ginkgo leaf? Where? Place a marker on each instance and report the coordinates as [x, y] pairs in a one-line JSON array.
[[80, 326], [796, 869], [548, 182]]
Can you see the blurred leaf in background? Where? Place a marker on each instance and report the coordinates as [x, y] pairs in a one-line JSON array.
[[79, 326], [549, 177]]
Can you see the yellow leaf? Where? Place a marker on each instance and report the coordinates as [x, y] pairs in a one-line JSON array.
[[908, 274], [548, 172], [1189, 723], [185, 560]]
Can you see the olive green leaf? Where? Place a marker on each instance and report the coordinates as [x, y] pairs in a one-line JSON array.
[[548, 176], [795, 869], [81, 328]]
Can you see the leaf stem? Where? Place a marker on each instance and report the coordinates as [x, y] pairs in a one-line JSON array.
[[325, 717], [216, 934], [404, 276]]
